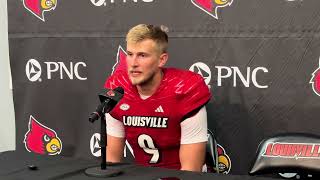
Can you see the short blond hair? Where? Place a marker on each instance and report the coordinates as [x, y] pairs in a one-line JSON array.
[[143, 31]]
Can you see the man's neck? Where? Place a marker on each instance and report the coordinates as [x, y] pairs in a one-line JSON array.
[[151, 87]]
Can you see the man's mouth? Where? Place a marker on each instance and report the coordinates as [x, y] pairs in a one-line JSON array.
[[135, 73]]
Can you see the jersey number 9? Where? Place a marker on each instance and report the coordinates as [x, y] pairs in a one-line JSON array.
[[146, 143]]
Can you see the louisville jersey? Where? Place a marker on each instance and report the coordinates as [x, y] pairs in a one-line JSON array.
[[152, 125]]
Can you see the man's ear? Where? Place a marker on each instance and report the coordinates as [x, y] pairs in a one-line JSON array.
[[163, 59]]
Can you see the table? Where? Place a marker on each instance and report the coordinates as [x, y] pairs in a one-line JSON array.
[[14, 165]]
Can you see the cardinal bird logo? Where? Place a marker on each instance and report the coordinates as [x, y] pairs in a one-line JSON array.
[[211, 6], [224, 162], [315, 80], [121, 63], [41, 139], [111, 93], [39, 7]]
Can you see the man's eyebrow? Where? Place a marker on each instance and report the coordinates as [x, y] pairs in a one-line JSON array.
[[139, 52]]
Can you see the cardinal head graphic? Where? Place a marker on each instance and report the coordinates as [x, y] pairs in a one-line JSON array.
[[41, 139], [39, 7]]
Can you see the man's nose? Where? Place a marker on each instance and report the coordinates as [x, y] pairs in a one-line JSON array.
[[135, 61]]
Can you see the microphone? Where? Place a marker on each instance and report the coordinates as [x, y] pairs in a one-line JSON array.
[[109, 99]]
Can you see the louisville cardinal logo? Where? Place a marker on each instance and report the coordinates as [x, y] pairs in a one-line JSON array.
[[41, 139], [211, 6], [121, 63], [111, 93], [39, 7], [224, 162], [315, 80]]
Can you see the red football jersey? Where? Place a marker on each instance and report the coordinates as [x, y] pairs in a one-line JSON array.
[[152, 126]]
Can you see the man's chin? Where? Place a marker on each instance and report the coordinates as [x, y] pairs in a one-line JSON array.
[[135, 81]]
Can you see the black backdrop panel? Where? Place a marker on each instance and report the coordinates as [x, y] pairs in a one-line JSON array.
[[249, 18], [257, 57]]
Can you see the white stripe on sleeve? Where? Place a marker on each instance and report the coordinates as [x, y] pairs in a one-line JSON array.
[[194, 129], [114, 127]]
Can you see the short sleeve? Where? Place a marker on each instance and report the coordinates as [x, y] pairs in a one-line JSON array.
[[195, 95]]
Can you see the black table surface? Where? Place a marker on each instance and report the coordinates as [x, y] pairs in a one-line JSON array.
[[14, 165]]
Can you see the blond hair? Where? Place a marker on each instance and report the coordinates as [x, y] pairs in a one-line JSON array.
[[143, 31]]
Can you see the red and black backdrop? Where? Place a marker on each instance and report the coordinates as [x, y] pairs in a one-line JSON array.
[[259, 58]]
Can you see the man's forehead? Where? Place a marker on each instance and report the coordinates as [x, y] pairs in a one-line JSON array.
[[146, 45]]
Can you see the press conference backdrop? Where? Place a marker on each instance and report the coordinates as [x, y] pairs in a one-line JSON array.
[[7, 128], [259, 58]]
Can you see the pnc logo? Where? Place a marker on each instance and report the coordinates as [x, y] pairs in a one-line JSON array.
[[104, 2], [95, 145], [211, 6], [247, 77], [99, 2], [53, 70], [39, 7], [33, 70], [203, 70]]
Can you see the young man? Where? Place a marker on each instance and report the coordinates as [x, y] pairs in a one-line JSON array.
[[162, 113]]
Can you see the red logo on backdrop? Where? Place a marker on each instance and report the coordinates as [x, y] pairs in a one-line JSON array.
[[121, 63], [224, 162], [211, 6], [41, 139], [315, 80], [39, 7], [292, 150]]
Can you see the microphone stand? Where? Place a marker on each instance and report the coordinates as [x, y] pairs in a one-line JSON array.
[[102, 171]]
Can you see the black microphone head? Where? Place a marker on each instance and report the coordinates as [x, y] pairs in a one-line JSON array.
[[119, 89], [112, 94]]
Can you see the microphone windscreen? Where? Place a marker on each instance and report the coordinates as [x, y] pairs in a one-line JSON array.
[[119, 89]]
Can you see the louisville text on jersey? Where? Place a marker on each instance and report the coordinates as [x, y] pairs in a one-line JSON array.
[[292, 150], [145, 121]]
